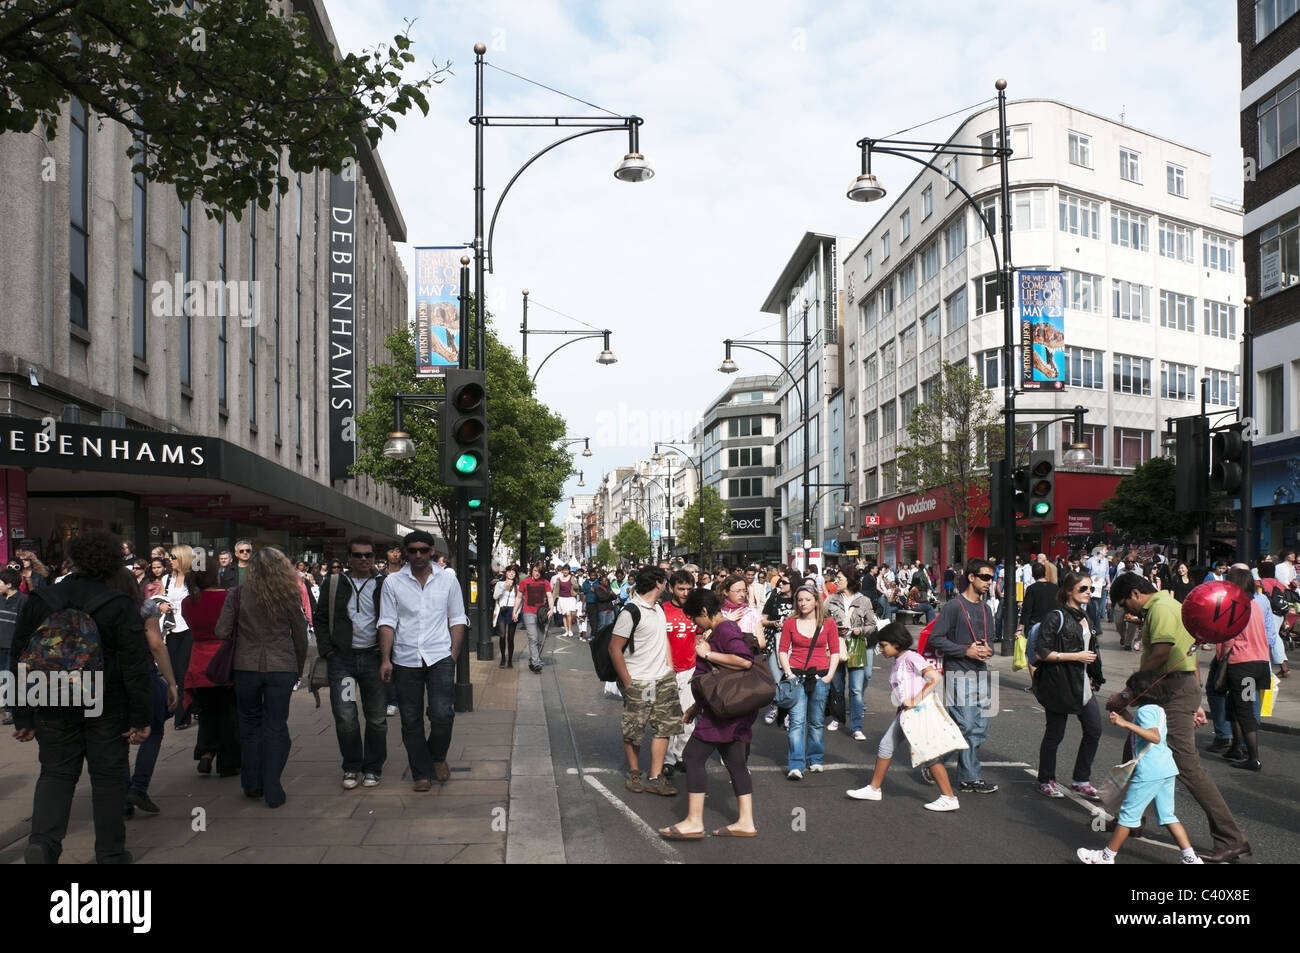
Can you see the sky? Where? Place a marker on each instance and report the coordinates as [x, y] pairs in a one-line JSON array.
[[751, 113]]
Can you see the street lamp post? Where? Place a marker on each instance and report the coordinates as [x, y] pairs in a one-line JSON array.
[[728, 366], [866, 188], [606, 356], [1246, 543], [698, 464]]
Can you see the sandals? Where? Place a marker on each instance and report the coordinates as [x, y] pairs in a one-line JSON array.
[[728, 832], [672, 833]]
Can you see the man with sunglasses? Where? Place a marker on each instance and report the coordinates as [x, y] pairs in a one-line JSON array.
[[233, 576], [962, 634], [422, 624], [347, 637]]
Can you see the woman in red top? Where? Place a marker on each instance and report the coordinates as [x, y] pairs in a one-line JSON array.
[[218, 717], [809, 650], [1249, 673]]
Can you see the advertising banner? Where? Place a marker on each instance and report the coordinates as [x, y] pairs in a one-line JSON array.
[[437, 309], [1042, 331], [342, 388]]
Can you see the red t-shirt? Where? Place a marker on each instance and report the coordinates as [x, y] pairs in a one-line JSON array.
[[795, 644], [681, 636], [535, 592]]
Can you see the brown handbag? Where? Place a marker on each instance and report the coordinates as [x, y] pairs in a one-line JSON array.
[[732, 692]]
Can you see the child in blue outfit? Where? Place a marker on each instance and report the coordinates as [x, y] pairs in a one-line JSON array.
[[1153, 780]]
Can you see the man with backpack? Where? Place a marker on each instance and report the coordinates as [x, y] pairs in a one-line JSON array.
[[646, 678], [86, 615], [1278, 606]]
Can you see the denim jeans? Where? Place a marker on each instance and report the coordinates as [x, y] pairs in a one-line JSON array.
[[884, 609], [64, 738], [973, 720], [808, 713], [438, 681], [362, 667], [603, 618], [1094, 615], [263, 702], [147, 755], [857, 684], [1218, 707], [536, 636]]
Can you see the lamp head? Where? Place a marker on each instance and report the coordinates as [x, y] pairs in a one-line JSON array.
[[605, 357], [399, 446], [634, 168], [1079, 455], [728, 366], [866, 188]]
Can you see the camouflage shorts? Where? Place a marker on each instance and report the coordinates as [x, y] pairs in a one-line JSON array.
[[651, 703]]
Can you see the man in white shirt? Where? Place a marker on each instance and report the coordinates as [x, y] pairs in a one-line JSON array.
[[1285, 572], [645, 674], [421, 633], [1098, 568]]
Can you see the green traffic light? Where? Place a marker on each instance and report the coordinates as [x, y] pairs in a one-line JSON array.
[[467, 463], [474, 504], [1042, 508]]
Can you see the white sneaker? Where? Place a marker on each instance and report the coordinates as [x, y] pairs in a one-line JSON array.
[[833, 725], [369, 779], [1095, 856], [794, 775], [1194, 859], [943, 803], [867, 793], [390, 711], [859, 736], [815, 768], [350, 780]]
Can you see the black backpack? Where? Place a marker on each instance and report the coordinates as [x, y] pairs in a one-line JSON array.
[[600, 644], [1278, 602]]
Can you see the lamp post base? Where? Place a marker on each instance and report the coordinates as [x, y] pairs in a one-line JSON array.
[[464, 697]]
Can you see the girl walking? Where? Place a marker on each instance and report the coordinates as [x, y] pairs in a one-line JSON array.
[[505, 595]]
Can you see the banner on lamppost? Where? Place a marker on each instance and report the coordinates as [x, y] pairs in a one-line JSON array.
[[1042, 331], [343, 330], [437, 310]]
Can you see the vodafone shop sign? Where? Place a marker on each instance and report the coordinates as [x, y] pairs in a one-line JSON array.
[[917, 508]]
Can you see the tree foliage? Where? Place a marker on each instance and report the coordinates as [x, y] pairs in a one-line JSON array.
[[947, 436], [604, 553], [527, 463], [1143, 505], [632, 542], [704, 537], [213, 96]]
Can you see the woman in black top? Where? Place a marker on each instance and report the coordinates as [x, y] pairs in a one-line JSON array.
[[779, 606], [1182, 582]]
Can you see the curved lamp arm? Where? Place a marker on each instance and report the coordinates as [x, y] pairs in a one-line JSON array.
[[794, 384], [575, 340]]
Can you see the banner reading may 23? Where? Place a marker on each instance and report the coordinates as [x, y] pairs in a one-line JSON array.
[[437, 310], [1042, 330]]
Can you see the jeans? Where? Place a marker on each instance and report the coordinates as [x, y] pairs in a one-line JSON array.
[[263, 701], [64, 738], [147, 756], [603, 618], [362, 667], [885, 609], [438, 680], [1094, 615], [535, 638], [926, 608], [808, 712], [857, 684], [1090, 722], [1218, 699], [973, 720]]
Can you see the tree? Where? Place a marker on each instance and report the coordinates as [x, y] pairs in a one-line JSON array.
[[213, 96], [946, 448], [1143, 505], [604, 553], [704, 537], [527, 464], [632, 542]]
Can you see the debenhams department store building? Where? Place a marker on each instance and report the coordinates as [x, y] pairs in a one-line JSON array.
[[133, 400]]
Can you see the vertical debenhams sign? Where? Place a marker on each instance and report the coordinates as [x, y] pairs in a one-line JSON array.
[[48, 443], [342, 389]]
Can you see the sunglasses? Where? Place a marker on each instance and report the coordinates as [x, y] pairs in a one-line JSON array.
[[983, 578], [1083, 588], [369, 555], [419, 550], [242, 552]]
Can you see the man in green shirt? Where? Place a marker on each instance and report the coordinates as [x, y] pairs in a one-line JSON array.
[[1168, 677]]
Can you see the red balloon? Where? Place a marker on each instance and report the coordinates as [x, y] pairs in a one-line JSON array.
[[1215, 612]]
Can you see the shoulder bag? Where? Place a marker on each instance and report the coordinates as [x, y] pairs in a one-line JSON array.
[[221, 667], [732, 692], [786, 691]]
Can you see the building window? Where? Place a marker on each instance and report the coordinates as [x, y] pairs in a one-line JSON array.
[[1222, 388], [1279, 254], [1177, 381], [222, 336], [1176, 179], [1086, 368], [1269, 13], [904, 227], [867, 266], [1081, 149], [884, 247], [887, 297], [1220, 319], [907, 405], [1094, 435], [870, 425], [956, 306], [78, 224], [1220, 253], [988, 364], [745, 457], [745, 427], [139, 242], [1029, 210], [250, 392], [1129, 229], [890, 480], [1279, 123], [1130, 166], [988, 210], [929, 261], [1271, 392], [869, 484], [1080, 216], [1131, 302], [888, 423], [1132, 447], [954, 239], [907, 344], [1132, 375], [888, 358], [1176, 241], [869, 309], [187, 326], [1177, 311], [930, 389], [927, 202], [949, 170], [1019, 144], [871, 370], [1082, 291], [747, 486], [931, 328], [987, 299], [907, 280]]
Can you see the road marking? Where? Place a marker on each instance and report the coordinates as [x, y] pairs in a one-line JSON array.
[[641, 827], [1095, 810], [781, 768]]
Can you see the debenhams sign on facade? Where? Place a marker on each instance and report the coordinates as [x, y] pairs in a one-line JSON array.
[[48, 443]]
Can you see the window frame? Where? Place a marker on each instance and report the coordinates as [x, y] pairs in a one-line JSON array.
[[1136, 163], [1079, 148]]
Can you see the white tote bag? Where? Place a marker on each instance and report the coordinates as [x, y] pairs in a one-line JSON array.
[[930, 731]]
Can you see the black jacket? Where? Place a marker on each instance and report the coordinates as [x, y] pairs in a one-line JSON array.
[[334, 628], [1058, 686], [1040, 599], [127, 686]]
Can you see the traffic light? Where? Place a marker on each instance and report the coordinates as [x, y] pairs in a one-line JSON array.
[[997, 487], [463, 463], [1192, 450], [1021, 481], [1227, 472], [1042, 485]]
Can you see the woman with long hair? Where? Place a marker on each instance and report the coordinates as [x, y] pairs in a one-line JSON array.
[[504, 595], [178, 639], [854, 617], [154, 576], [270, 652], [218, 735], [34, 572], [1249, 673], [1067, 676], [1182, 582], [778, 608], [809, 651]]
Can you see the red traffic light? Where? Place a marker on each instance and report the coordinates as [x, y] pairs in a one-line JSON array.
[[468, 396]]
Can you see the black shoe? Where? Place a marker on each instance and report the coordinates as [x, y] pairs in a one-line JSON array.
[[253, 793], [228, 772], [977, 787], [183, 725], [1235, 754], [37, 854], [205, 764], [510, 663], [1219, 744], [275, 804], [1221, 855], [1246, 764], [141, 800], [502, 663]]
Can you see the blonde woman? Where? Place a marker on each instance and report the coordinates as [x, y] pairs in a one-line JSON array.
[[809, 651], [179, 640], [270, 652]]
